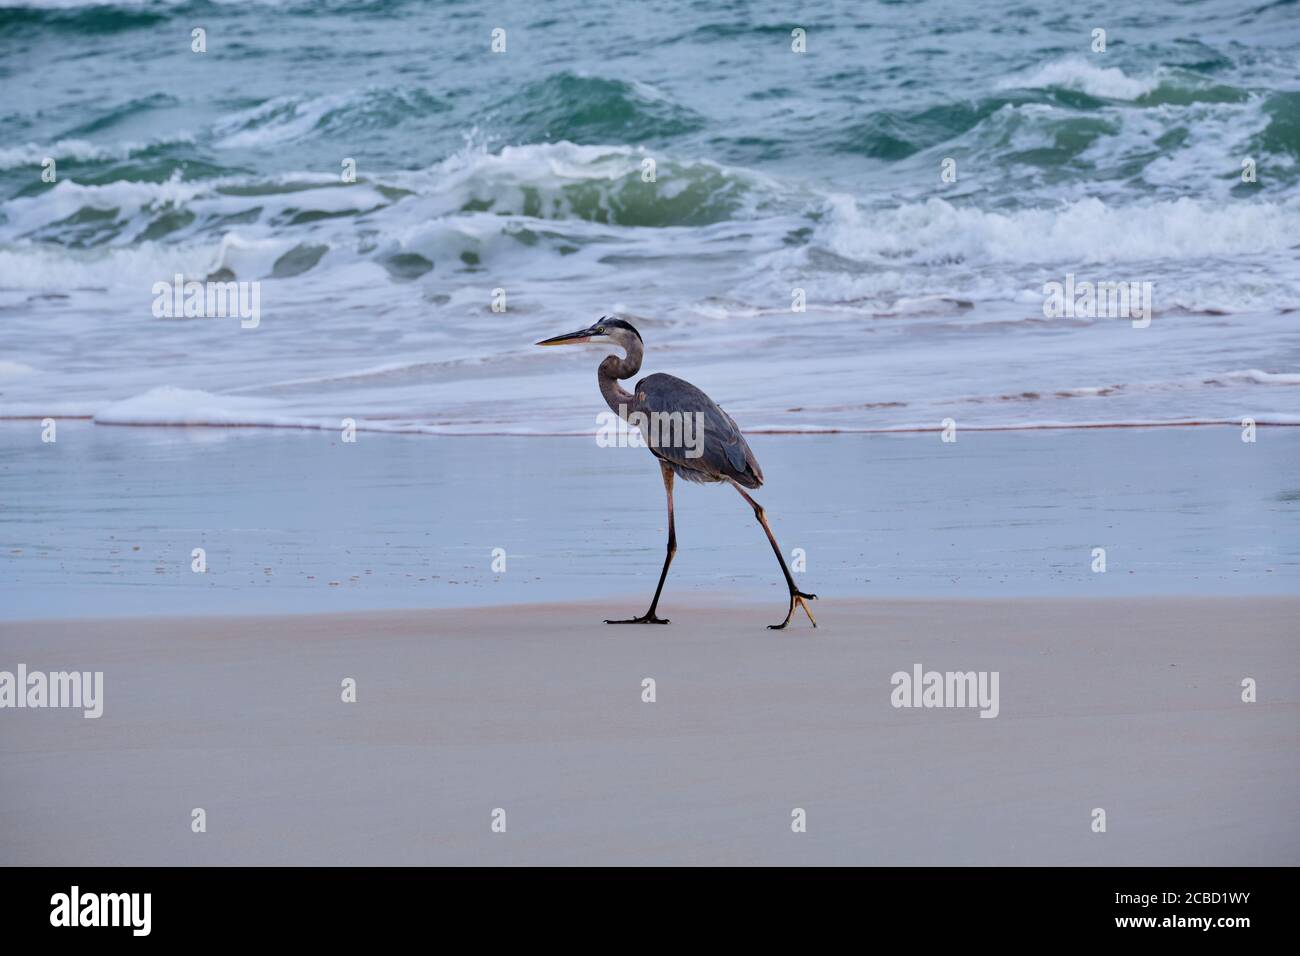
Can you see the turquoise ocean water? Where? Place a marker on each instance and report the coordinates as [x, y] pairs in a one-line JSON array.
[[525, 171]]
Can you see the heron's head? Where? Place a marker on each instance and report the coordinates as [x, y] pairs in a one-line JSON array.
[[608, 331]]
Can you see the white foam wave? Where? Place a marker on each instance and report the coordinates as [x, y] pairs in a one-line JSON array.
[[169, 405], [54, 269], [33, 154], [1085, 231], [1257, 377], [134, 268], [67, 198], [1075, 73], [534, 179], [280, 120]]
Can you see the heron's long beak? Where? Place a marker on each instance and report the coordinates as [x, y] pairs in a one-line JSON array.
[[570, 338]]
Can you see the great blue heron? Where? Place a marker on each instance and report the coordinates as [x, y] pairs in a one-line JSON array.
[[719, 454]]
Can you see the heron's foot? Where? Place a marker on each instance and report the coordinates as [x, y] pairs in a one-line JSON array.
[[800, 599], [646, 618]]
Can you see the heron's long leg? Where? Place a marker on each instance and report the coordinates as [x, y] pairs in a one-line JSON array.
[[649, 616], [796, 596]]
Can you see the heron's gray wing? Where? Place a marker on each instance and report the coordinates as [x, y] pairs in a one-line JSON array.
[[707, 445]]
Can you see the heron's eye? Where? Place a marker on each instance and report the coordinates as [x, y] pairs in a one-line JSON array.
[[600, 330]]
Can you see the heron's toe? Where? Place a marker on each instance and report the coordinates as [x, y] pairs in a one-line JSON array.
[[800, 600]]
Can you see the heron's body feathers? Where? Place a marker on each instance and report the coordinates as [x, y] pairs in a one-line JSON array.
[[719, 453]]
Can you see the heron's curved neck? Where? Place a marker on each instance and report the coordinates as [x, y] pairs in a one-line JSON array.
[[614, 368]]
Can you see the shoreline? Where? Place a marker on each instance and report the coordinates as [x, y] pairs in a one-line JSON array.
[[828, 430], [594, 611]]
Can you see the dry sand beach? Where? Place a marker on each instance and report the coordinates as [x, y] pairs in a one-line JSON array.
[[1131, 705]]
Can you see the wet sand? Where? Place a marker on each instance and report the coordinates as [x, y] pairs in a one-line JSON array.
[[105, 522]]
